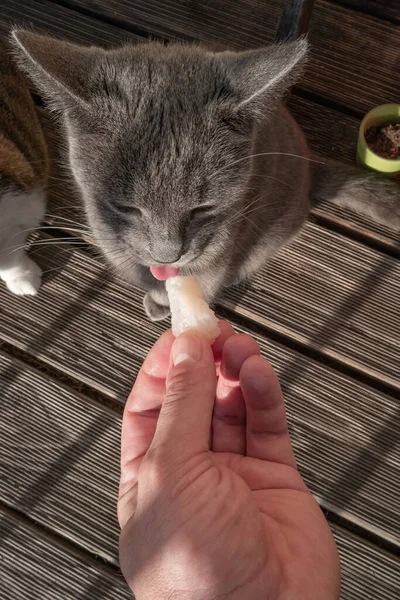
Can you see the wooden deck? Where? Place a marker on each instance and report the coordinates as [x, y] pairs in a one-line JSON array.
[[325, 312]]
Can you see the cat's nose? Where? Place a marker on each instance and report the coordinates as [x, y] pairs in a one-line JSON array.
[[167, 256], [166, 247], [165, 261]]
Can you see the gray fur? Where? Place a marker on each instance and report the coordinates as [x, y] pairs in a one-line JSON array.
[[365, 192], [186, 156]]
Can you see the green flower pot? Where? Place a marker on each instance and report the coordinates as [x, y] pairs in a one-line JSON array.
[[386, 113]]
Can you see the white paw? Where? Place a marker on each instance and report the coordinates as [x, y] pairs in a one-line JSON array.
[[24, 280]]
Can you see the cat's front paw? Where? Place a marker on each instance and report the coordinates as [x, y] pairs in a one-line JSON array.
[[24, 280], [154, 310]]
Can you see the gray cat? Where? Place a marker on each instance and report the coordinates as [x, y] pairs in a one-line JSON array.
[[187, 159]]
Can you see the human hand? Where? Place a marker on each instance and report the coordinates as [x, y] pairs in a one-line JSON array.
[[211, 503]]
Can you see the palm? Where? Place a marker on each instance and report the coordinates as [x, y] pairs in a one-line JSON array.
[[297, 533], [267, 505]]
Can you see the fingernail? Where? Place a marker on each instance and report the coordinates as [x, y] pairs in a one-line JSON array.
[[187, 348]]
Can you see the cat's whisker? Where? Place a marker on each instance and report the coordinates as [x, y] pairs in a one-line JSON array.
[[245, 206], [58, 268], [263, 176], [119, 261], [307, 158], [122, 252], [119, 266], [117, 253], [73, 211], [66, 226], [35, 250], [58, 187], [63, 178], [38, 229], [45, 271], [253, 224], [50, 242], [62, 228], [259, 209], [66, 219], [71, 207], [240, 245], [246, 211], [243, 210], [66, 240], [285, 183], [82, 233]]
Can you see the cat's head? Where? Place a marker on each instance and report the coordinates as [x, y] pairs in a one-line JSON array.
[[159, 137]]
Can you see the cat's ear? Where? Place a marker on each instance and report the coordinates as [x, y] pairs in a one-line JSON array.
[[59, 69], [260, 78]]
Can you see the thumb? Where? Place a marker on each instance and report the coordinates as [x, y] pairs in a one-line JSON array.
[[186, 411]]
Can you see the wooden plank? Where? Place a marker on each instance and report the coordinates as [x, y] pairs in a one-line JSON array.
[[334, 295], [96, 331], [295, 19], [61, 22], [329, 132], [344, 68], [59, 458], [347, 64], [72, 486], [101, 308], [365, 568], [219, 23], [384, 9], [32, 568]]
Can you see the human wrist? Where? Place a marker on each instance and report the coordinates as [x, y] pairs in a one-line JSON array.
[[157, 594], [179, 595]]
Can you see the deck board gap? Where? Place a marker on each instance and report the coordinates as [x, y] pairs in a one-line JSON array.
[[66, 380], [121, 23], [366, 534], [370, 8], [344, 228], [55, 539], [327, 102], [306, 350]]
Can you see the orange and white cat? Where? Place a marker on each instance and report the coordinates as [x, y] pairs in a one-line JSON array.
[[23, 176]]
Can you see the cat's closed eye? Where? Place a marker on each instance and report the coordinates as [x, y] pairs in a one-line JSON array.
[[127, 209], [201, 212]]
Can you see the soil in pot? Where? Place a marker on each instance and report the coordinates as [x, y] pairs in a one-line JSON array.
[[384, 140]]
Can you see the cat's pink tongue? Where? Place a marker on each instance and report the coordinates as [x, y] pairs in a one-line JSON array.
[[163, 273]]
